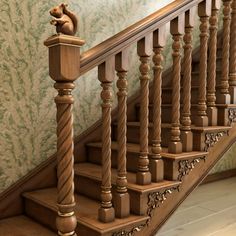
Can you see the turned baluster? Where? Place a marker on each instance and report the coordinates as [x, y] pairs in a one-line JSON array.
[[121, 198], [186, 133], [232, 60], [156, 163], [204, 11], [211, 81], [106, 70], [144, 51], [64, 64], [224, 96], [176, 29]]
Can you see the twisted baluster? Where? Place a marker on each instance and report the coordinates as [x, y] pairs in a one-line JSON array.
[[175, 145], [156, 162], [65, 160], [203, 11], [122, 200], [106, 212], [224, 96], [232, 61], [211, 82], [143, 175], [186, 133]]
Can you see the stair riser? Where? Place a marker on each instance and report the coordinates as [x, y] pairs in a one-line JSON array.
[[167, 96], [95, 153], [137, 205], [196, 64], [165, 113], [47, 217], [195, 79], [133, 135]]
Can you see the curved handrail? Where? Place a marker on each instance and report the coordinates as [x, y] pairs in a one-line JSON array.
[[98, 54]]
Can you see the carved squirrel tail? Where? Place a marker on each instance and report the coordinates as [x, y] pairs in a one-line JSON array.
[[72, 16]]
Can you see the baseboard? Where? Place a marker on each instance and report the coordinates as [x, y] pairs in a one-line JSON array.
[[219, 176]]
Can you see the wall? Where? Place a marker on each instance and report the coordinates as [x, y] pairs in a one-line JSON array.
[[27, 110]]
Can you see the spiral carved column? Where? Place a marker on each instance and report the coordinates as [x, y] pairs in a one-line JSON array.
[[211, 81], [143, 176], [106, 212], [203, 12], [122, 199], [232, 60], [186, 133], [224, 97], [156, 162], [64, 52], [175, 145], [66, 220]]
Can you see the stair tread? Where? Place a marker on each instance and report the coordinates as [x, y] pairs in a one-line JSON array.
[[86, 210], [193, 127], [23, 226], [93, 171], [134, 148]]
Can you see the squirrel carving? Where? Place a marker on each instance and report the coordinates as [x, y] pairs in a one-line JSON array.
[[65, 21]]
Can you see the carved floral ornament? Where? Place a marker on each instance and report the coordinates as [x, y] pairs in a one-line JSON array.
[[232, 115], [212, 138], [155, 199], [186, 166]]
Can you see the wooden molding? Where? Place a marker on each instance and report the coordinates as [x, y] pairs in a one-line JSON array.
[[219, 176]]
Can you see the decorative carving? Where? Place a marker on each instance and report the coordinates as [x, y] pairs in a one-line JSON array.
[[212, 138], [186, 166], [131, 232], [65, 21], [155, 199], [232, 115]]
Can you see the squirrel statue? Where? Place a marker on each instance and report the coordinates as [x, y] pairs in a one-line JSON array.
[[65, 21]]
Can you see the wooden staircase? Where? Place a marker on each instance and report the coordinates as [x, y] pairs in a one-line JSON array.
[[145, 157]]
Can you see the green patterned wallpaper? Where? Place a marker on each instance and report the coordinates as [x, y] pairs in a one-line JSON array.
[[27, 110]]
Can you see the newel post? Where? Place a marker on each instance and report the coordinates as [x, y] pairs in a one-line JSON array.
[[64, 66]]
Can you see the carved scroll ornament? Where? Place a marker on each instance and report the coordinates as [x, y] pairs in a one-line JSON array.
[[155, 199], [186, 166]]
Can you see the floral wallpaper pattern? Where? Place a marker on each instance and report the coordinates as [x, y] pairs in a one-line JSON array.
[[27, 110]]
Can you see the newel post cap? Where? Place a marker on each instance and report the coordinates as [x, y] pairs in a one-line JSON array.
[[64, 57]]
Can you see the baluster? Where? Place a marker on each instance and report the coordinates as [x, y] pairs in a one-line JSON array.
[[186, 133], [156, 163], [122, 199], [204, 11], [68, 48], [176, 29], [211, 82], [144, 51], [224, 96], [106, 70], [232, 62]]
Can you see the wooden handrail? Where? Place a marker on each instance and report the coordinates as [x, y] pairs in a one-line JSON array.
[[98, 54]]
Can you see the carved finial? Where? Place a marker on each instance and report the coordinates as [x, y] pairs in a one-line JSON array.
[[65, 21]]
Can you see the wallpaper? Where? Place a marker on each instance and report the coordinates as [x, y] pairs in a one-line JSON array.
[[27, 109]]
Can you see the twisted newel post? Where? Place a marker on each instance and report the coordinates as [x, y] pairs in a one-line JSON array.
[[64, 64]]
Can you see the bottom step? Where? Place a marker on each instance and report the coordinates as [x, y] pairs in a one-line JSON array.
[[41, 206], [22, 226]]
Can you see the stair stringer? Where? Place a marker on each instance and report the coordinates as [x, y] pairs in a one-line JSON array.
[[161, 213]]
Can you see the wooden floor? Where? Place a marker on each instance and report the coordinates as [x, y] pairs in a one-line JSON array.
[[209, 211]]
